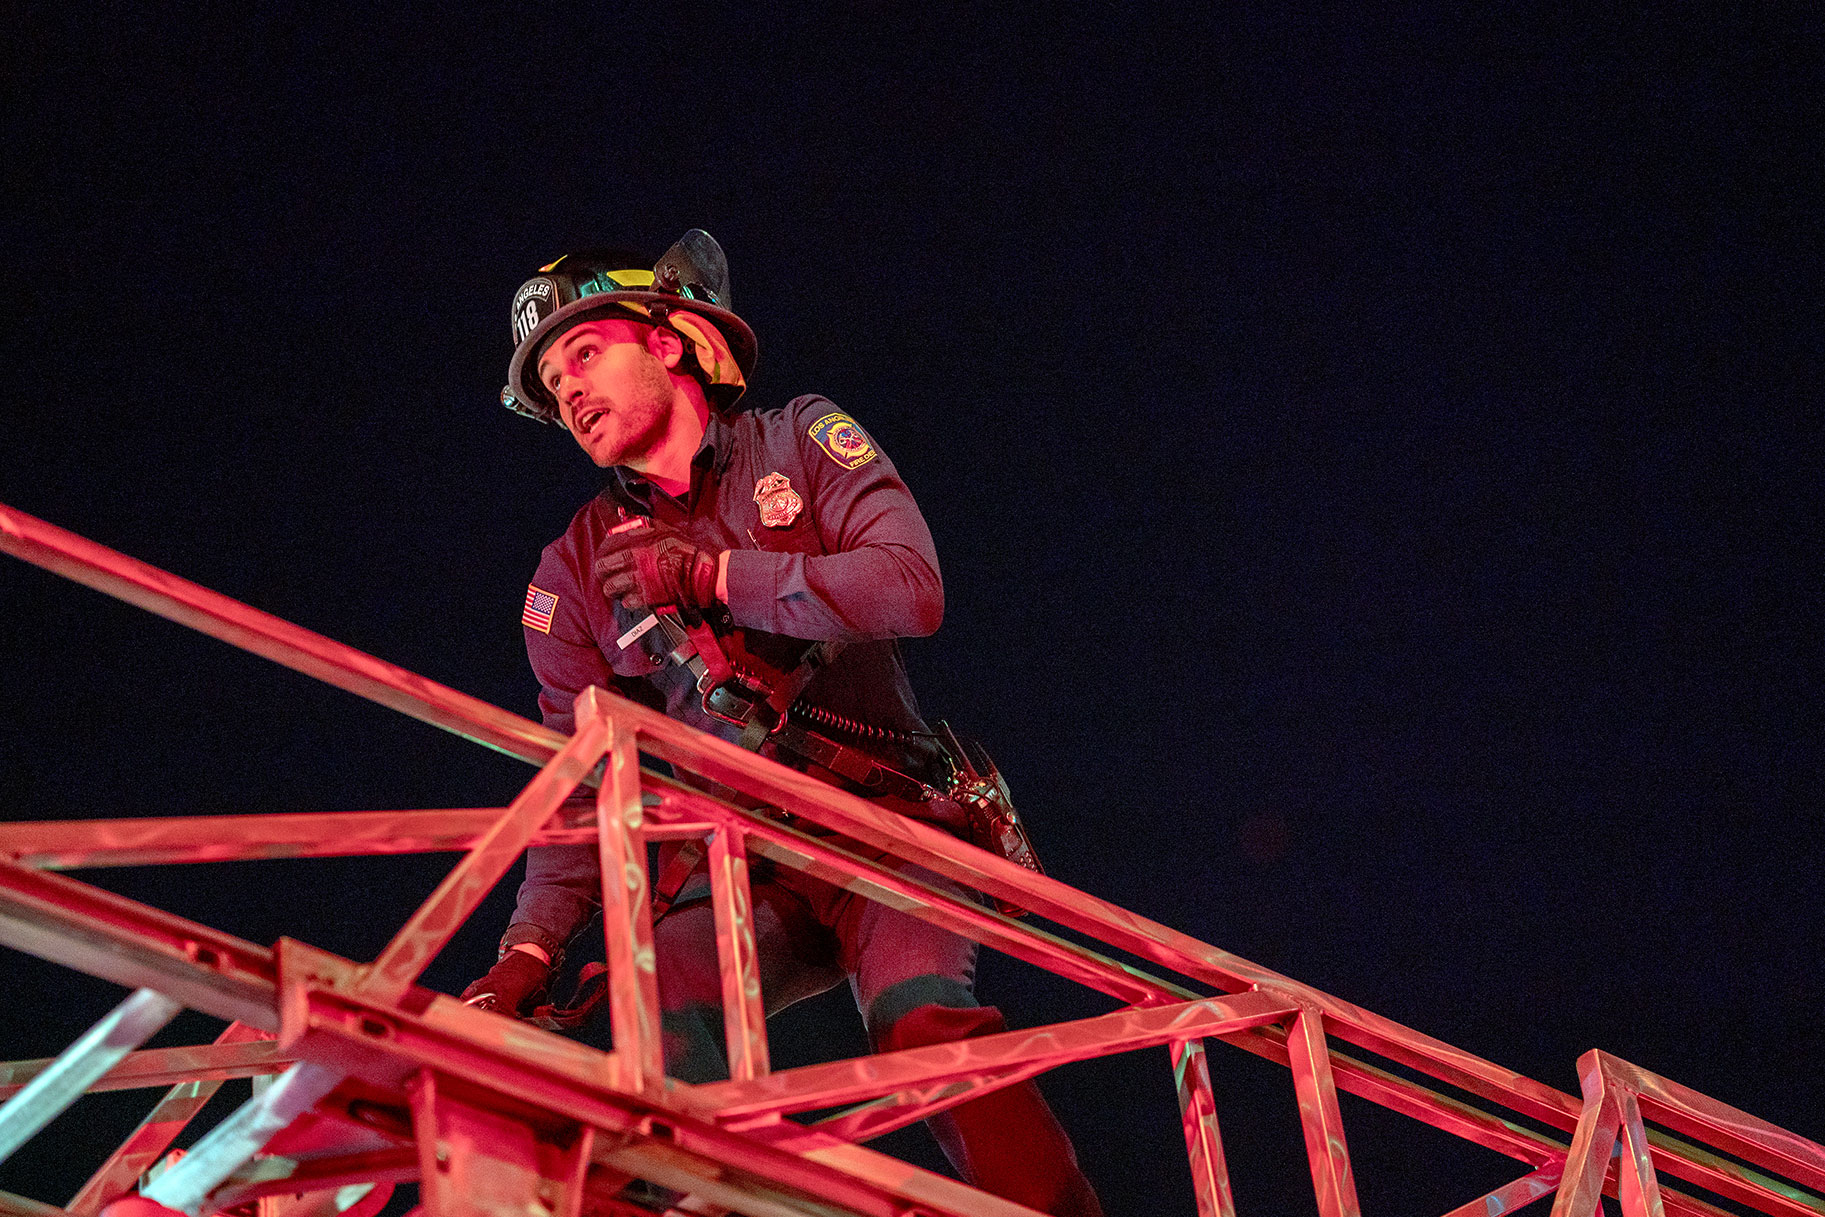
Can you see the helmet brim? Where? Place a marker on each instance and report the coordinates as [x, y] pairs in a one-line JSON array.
[[522, 371]]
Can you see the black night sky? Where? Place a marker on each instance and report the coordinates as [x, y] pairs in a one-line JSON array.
[[1374, 460]]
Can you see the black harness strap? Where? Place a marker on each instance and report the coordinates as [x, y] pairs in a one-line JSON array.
[[760, 718]]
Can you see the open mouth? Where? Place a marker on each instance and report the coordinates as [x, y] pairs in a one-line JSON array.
[[587, 420]]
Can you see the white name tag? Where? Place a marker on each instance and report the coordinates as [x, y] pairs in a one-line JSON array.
[[634, 634]]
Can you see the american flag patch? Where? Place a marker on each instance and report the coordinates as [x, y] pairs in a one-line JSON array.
[[540, 605]]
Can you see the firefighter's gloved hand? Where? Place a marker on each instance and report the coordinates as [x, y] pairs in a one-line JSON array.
[[656, 567], [511, 983]]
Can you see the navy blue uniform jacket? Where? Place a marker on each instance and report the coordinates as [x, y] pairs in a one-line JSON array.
[[855, 563]]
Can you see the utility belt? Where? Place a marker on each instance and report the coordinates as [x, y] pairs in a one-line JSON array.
[[970, 798]]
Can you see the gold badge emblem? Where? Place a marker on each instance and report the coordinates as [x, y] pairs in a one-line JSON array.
[[779, 503]]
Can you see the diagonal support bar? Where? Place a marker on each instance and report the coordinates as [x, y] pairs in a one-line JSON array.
[[1203, 1140], [1720, 1125], [186, 1186], [866, 1121], [101, 1047], [1593, 1145], [1638, 1187], [121, 1172], [470, 881], [136, 582], [1514, 1194], [1310, 1056]]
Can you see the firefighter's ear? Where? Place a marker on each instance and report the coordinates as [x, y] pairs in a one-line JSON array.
[[665, 346]]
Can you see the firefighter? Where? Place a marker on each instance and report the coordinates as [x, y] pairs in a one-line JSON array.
[[749, 572]]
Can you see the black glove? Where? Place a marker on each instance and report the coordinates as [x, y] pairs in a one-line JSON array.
[[656, 567], [516, 978]]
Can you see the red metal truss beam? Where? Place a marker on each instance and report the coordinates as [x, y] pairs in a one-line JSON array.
[[289, 833], [1454, 1115], [130, 930], [75, 844], [166, 840], [878, 1117], [495, 851], [385, 1046], [1025, 941], [132, 944], [135, 922], [1203, 1138], [823, 858], [829, 1085], [241, 625], [1730, 1129], [136, 929], [926, 846], [347, 1015], [627, 905], [164, 1066], [220, 838], [1696, 1165], [345, 667], [1332, 1178], [1511, 1196], [1616, 1096], [744, 1012]]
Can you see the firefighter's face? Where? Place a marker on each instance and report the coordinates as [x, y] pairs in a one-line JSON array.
[[613, 386]]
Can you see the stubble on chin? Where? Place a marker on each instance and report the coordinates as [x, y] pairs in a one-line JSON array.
[[635, 425]]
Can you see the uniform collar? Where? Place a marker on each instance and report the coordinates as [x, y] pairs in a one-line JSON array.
[[634, 491]]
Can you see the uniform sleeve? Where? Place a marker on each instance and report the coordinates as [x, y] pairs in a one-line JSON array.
[[562, 888], [879, 578]]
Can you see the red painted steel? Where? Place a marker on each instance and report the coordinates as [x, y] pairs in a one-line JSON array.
[[1618, 1094], [1203, 1141], [1638, 1186], [465, 887], [83, 927], [744, 1017], [908, 1105], [1319, 1117], [562, 1122], [627, 909], [107, 570], [817, 1086], [1511, 1196]]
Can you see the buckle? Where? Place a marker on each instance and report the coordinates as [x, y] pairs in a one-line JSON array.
[[734, 702]]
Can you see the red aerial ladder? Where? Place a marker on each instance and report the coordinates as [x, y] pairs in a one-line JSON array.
[[372, 1080]]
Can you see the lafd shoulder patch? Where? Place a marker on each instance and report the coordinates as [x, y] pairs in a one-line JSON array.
[[540, 605], [843, 440]]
